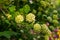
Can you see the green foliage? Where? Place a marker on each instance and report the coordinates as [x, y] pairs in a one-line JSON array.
[[18, 18], [7, 34], [25, 9], [12, 9]]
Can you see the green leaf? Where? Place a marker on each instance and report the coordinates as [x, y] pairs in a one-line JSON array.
[[21, 10], [7, 34], [26, 8], [12, 8], [7, 21], [1, 1]]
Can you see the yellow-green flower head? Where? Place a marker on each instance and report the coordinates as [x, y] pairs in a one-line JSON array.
[[44, 4], [37, 27], [30, 17], [19, 18], [9, 16]]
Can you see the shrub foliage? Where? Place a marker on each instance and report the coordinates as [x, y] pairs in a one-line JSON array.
[[27, 19]]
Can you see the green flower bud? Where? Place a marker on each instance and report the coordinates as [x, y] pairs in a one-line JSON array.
[[43, 3], [51, 27], [34, 11], [49, 19], [55, 22], [46, 12], [55, 12], [53, 6], [55, 16]]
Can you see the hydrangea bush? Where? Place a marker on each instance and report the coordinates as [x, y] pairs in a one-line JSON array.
[[28, 19]]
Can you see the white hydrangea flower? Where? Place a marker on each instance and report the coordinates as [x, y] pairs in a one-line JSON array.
[[30, 17], [19, 18], [37, 27]]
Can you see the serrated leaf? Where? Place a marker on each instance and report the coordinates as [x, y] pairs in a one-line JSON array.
[[12, 9], [26, 8]]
